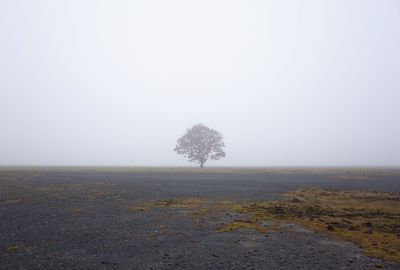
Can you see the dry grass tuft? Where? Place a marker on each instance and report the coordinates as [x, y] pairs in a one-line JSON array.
[[76, 211], [15, 248], [12, 201], [243, 224], [136, 209]]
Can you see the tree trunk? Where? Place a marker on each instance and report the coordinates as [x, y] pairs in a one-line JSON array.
[[201, 164]]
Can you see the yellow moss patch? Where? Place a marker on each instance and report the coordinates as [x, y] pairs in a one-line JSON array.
[[181, 203], [12, 200], [76, 211], [57, 187], [242, 224], [369, 219], [136, 208], [117, 197], [150, 235], [15, 248], [50, 189], [97, 194], [351, 177]]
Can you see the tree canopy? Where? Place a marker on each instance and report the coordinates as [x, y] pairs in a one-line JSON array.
[[201, 143]]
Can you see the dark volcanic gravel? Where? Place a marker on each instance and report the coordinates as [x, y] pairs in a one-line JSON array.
[[79, 219]]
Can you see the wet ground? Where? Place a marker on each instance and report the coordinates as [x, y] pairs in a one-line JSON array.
[[86, 218]]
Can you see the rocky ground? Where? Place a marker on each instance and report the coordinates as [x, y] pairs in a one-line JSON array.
[[90, 218]]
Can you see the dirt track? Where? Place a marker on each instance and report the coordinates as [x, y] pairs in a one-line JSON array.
[[83, 219]]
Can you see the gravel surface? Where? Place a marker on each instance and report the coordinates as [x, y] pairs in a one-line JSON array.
[[81, 219]]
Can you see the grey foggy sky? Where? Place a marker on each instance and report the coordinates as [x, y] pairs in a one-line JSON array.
[[117, 82]]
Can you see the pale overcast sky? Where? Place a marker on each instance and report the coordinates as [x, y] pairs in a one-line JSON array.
[[117, 82]]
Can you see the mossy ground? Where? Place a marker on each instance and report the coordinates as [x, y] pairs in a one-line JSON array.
[[369, 219], [237, 224]]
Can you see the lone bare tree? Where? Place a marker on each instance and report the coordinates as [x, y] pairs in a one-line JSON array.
[[200, 143]]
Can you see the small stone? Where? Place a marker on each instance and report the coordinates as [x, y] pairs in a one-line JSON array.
[[330, 228]]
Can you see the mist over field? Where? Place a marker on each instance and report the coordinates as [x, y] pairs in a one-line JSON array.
[[287, 83], [109, 110]]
